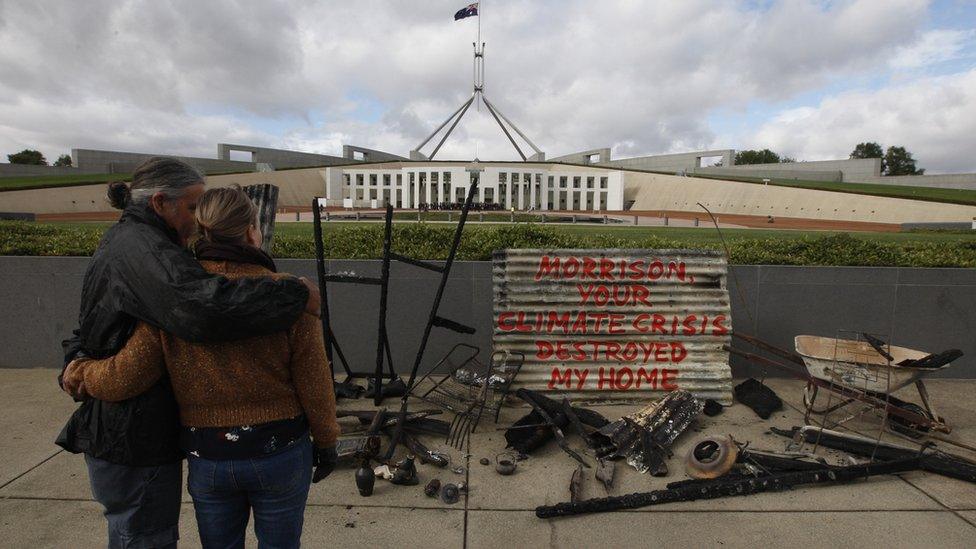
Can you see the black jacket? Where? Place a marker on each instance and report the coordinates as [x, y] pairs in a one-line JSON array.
[[140, 272]]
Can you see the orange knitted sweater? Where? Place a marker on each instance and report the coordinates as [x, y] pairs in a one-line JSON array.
[[226, 384]]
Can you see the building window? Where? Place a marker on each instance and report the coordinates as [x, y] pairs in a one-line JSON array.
[[359, 179], [576, 182], [345, 179], [589, 182], [603, 182], [562, 182], [502, 177], [515, 178], [551, 182], [386, 180]]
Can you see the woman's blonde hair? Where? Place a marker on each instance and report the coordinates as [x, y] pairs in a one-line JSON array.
[[225, 214]]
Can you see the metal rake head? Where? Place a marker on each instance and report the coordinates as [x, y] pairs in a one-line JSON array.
[[460, 432]]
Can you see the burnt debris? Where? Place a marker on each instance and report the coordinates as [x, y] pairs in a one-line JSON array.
[[644, 439], [758, 397], [727, 488]]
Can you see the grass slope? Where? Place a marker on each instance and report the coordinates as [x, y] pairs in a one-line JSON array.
[[928, 194], [49, 181]]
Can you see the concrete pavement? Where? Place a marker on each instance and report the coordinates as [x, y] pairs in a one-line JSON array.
[[45, 500]]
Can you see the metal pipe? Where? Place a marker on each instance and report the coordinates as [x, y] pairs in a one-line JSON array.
[[324, 295], [445, 274], [384, 290]]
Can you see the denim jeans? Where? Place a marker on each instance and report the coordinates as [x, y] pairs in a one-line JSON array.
[[275, 487], [142, 504]]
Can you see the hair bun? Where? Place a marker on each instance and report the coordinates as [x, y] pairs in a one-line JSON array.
[[118, 194]]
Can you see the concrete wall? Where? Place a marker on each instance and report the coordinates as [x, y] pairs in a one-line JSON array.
[[369, 155], [296, 189], [965, 181], [671, 162], [834, 176], [280, 158], [126, 162], [585, 157], [668, 192], [850, 169], [927, 309], [20, 170]]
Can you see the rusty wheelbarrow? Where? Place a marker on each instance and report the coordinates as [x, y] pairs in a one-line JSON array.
[[865, 370]]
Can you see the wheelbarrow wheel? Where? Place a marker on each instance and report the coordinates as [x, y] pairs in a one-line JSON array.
[[909, 428]]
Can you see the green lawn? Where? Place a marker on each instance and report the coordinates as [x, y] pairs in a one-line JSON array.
[[47, 181], [73, 180], [931, 194]]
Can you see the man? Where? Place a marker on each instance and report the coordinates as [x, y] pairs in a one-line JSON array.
[[142, 271]]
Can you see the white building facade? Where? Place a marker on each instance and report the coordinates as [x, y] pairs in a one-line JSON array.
[[522, 186]]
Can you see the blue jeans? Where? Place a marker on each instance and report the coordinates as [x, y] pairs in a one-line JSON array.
[[142, 504], [275, 487]]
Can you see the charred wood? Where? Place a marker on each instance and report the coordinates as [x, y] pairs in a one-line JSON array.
[[719, 489]]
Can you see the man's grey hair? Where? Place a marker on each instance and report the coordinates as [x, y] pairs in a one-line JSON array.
[[162, 175], [168, 176]]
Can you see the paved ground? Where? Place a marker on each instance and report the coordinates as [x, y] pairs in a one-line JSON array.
[[45, 500]]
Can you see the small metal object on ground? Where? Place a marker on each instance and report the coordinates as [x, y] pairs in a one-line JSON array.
[[505, 464], [450, 494], [433, 488], [365, 479], [405, 473], [604, 472], [712, 408], [711, 457], [484, 461], [576, 484]]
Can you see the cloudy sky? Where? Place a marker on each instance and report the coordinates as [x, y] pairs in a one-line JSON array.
[[808, 79]]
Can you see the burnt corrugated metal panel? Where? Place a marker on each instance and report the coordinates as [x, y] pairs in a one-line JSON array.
[[615, 324]]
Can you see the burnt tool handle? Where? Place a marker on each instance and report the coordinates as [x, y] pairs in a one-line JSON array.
[[442, 322]]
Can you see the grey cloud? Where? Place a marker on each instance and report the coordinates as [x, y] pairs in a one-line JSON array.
[[573, 74]]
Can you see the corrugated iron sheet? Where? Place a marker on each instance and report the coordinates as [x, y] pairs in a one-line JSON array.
[[615, 324]]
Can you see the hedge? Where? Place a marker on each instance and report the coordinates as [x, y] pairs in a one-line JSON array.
[[429, 241]]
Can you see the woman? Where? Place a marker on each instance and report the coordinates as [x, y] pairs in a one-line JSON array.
[[246, 406], [143, 271]]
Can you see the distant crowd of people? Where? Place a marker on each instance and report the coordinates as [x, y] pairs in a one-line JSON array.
[[448, 206]]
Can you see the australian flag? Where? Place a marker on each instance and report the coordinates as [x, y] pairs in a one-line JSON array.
[[468, 11]]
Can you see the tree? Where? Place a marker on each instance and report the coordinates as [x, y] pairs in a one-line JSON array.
[[27, 156], [787, 160], [63, 161], [764, 156], [869, 149], [900, 162]]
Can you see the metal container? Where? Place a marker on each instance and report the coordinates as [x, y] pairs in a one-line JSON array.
[[615, 324], [857, 365]]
